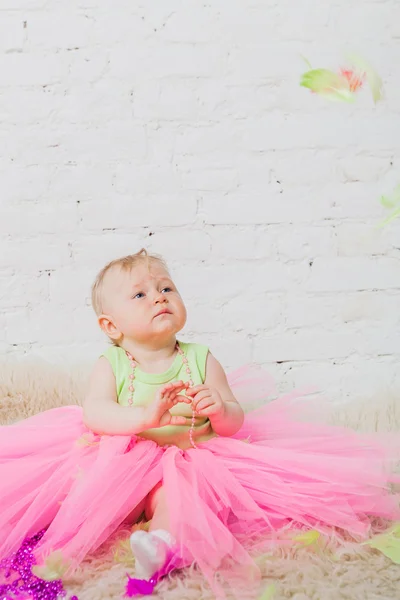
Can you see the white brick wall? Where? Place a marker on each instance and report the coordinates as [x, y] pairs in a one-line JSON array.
[[181, 126]]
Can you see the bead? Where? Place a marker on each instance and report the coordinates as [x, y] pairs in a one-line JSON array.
[[24, 585], [185, 362]]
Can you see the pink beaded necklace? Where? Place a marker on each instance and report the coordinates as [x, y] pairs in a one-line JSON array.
[[185, 362]]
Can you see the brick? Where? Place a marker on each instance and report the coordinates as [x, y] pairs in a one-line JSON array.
[[231, 350], [245, 64], [369, 307], [88, 66], [19, 288], [180, 26], [209, 138], [263, 313], [227, 283], [355, 239], [71, 287], [352, 200], [305, 345], [97, 249], [364, 167], [110, 142], [350, 380], [81, 104], [12, 33], [125, 212], [42, 218], [74, 143], [10, 5], [81, 182], [110, 28], [60, 29], [210, 179], [35, 254], [24, 183], [32, 69], [167, 60], [302, 311], [42, 102], [263, 207], [142, 179], [174, 243], [282, 131], [298, 243], [242, 99], [228, 315], [243, 243], [18, 326], [351, 274], [334, 311]]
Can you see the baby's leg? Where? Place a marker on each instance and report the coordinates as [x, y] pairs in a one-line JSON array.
[[156, 509], [151, 549], [137, 512]]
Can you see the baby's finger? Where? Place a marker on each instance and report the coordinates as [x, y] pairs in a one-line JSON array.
[[200, 396], [165, 389], [210, 410], [182, 398], [178, 388], [196, 389], [205, 403], [179, 383]]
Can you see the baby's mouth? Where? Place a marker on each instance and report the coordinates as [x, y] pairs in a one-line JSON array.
[[164, 311]]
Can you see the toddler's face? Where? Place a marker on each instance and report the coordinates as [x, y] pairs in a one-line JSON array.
[[143, 304]]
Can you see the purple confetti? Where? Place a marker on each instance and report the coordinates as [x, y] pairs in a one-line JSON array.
[[23, 584], [139, 587]]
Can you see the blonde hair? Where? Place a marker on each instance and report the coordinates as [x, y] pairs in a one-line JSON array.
[[126, 263]]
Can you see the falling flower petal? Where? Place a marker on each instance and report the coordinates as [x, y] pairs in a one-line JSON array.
[[388, 543], [54, 567], [268, 593], [343, 85], [328, 84], [366, 71], [391, 202], [308, 538]]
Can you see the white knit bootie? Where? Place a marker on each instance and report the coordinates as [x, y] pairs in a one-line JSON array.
[[150, 551]]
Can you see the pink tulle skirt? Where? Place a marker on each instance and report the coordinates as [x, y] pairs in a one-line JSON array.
[[278, 471]]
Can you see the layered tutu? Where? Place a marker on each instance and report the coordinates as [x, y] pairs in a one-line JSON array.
[[279, 471]]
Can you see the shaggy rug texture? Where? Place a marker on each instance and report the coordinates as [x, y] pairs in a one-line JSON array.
[[353, 573]]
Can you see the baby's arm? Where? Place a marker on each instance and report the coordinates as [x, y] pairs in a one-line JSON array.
[[101, 411], [215, 400], [103, 414]]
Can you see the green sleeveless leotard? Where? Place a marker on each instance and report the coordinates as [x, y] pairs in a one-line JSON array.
[[146, 385]]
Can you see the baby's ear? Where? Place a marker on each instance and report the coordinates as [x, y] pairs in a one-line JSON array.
[[108, 326]]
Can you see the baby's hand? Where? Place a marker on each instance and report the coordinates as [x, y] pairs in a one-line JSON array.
[[158, 412], [207, 401]]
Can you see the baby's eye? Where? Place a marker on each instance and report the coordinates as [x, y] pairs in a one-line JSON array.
[[138, 295], [166, 289]]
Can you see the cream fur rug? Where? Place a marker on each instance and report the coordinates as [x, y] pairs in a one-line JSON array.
[[358, 574]]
